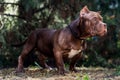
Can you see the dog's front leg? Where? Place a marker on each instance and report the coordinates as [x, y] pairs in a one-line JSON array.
[[73, 62], [59, 62]]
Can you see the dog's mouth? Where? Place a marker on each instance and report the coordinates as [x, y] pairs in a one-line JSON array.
[[101, 30], [103, 33]]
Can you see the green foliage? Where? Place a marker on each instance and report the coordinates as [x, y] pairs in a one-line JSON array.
[[94, 59], [117, 71], [85, 77], [109, 20], [31, 4]]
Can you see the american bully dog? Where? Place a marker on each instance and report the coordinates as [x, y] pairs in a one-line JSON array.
[[64, 43]]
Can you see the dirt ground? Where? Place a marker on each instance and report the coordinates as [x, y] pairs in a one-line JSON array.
[[40, 74]]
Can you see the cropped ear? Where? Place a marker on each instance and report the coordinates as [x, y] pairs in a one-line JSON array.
[[84, 11], [99, 12]]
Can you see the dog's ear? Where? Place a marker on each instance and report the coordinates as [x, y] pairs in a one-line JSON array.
[[99, 12], [84, 11]]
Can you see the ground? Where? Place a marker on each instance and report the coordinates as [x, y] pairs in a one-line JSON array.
[[40, 74]]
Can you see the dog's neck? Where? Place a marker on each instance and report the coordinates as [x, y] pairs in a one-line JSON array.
[[74, 33], [76, 29]]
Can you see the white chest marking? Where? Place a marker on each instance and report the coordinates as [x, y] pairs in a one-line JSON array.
[[73, 52]]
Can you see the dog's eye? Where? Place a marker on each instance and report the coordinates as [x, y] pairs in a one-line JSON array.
[[95, 20]]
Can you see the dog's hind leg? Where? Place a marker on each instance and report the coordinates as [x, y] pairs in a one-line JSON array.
[[28, 47], [42, 61]]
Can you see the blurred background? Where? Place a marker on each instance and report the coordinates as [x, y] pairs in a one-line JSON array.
[[19, 17]]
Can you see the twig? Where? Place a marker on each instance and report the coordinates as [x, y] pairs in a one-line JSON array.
[[3, 3]]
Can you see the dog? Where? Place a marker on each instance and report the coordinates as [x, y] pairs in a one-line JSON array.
[[65, 43]]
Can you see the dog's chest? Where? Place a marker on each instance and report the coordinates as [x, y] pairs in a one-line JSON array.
[[73, 52]]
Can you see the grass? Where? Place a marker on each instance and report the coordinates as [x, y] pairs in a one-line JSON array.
[[35, 73]]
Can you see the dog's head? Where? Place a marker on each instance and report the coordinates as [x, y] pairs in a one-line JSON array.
[[92, 23]]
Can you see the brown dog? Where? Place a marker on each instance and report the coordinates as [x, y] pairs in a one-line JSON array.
[[64, 43]]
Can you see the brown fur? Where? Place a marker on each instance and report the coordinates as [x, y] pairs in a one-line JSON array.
[[64, 43]]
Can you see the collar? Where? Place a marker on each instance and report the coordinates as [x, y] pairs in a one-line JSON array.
[[75, 34]]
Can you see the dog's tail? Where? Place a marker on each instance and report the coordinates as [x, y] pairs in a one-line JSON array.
[[19, 44]]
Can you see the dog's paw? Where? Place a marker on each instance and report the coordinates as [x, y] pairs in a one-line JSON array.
[[20, 70], [73, 70]]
